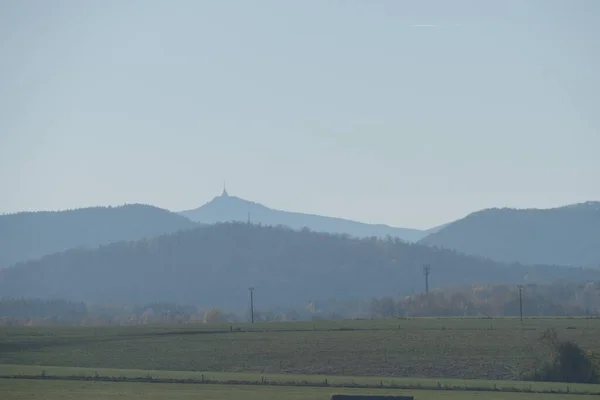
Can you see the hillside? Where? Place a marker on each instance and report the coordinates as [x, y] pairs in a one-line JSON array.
[[215, 265], [563, 236], [226, 208], [30, 235]]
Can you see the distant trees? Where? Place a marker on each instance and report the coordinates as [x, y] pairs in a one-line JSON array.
[[561, 299], [386, 307], [214, 316], [61, 312], [29, 308]]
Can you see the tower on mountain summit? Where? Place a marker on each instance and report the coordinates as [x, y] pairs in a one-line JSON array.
[[224, 194]]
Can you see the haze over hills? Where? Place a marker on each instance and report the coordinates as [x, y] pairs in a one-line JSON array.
[[30, 235], [226, 208], [568, 235], [214, 266]]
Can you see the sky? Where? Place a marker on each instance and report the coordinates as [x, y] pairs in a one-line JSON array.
[[409, 113]]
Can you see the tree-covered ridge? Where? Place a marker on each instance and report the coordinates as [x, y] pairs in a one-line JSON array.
[[213, 266], [30, 235], [564, 236]]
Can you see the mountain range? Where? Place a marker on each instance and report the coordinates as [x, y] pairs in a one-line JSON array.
[[214, 265], [568, 235], [226, 208]]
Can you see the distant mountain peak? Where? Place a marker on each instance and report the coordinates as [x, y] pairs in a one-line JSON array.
[[227, 208]]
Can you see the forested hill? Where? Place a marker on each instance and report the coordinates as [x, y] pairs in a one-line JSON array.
[[564, 236], [215, 265], [30, 235], [226, 208]]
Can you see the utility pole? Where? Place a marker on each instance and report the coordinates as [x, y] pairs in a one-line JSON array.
[[426, 272], [521, 301], [251, 304]]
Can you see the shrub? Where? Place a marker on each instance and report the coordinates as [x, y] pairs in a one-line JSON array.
[[568, 363]]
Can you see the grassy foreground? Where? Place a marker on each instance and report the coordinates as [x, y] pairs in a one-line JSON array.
[[294, 379], [59, 390], [416, 348]]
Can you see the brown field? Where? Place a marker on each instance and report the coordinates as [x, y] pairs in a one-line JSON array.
[[418, 348]]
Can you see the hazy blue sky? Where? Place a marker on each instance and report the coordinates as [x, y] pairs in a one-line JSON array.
[[410, 113]]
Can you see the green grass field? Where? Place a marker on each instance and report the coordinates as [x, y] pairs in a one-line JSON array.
[[224, 377], [417, 353], [415, 348]]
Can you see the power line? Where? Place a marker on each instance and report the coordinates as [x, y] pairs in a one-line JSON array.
[[426, 272], [521, 302], [251, 304]]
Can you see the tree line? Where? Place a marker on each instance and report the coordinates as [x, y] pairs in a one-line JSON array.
[[559, 299]]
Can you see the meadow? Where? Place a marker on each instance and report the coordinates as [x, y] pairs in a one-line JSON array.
[[80, 374], [300, 360], [470, 348]]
